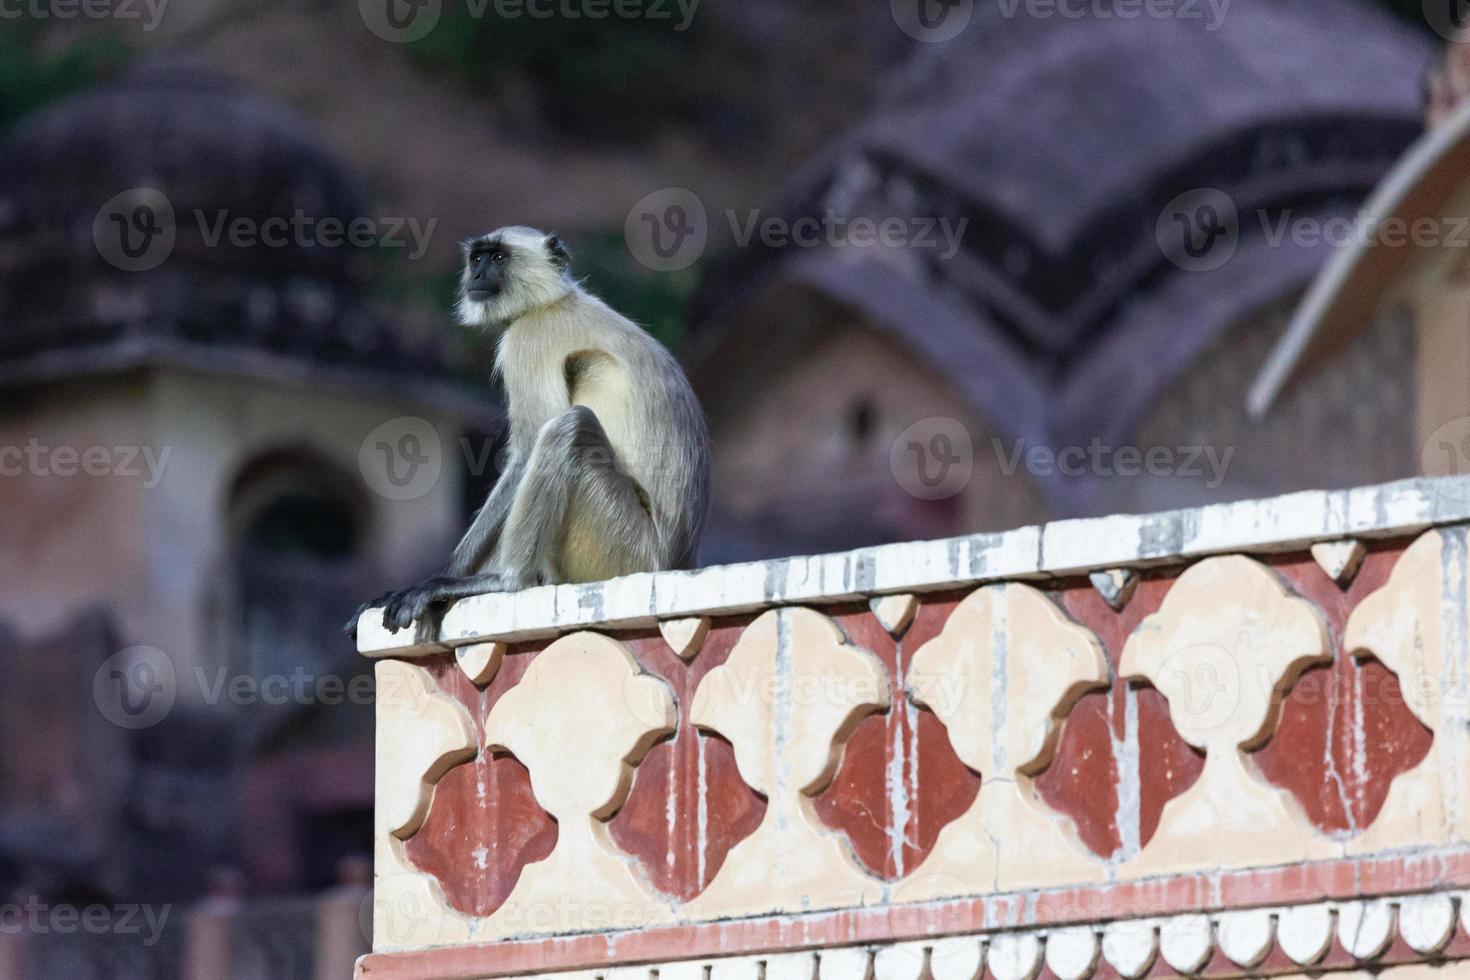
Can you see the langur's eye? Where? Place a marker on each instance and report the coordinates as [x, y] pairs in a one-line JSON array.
[[498, 257]]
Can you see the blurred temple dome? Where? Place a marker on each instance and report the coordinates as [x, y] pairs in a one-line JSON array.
[[1073, 154], [251, 271]]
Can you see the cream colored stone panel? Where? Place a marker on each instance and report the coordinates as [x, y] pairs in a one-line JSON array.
[[1003, 673], [685, 636], [895, 612], [579, 721], [1404, 626], [1339, 559], [421, 734], [409, 910], [480, 661], [1224, 647], [787, 699]]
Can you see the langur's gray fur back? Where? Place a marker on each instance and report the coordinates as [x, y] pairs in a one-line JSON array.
[[608, 469]]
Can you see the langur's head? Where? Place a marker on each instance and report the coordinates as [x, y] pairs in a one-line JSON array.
[[509, 273]]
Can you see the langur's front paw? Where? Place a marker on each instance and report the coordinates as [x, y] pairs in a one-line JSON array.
[[404, 608], [350, 628]]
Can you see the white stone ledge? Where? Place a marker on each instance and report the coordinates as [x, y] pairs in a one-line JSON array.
[[1061, 548]]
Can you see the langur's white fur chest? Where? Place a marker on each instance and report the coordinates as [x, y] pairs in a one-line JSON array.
[[551, 362]]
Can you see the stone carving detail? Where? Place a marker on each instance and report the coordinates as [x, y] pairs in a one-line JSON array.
[[422, 734], [1003, 673], [1183, 946], [579, 721], [1246, 935], [1071, 953], [895, 612], [1339, 559], [1365, 928], [425, 733], [685, 636], [1115, 585], [1187, 942], [1224, 648], [1130, 946], [1404, 626], [787, 699], [1304, 932], [480, 661]]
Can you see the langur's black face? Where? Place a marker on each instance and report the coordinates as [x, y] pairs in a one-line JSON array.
[[485, 269], [510, 272]]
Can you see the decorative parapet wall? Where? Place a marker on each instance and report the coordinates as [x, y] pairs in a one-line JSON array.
[[1217, 742]]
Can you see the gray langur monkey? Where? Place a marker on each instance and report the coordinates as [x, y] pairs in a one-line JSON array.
[[608, 465]]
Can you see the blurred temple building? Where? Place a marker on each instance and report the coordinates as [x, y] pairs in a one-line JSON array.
[[1142, 203], [1407, 267], [188, 527]]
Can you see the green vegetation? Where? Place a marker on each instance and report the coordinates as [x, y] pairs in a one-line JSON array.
[[610, 79], [654, 300], [30, 79]]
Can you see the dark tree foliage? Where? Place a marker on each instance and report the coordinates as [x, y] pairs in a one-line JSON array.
[[1431, 12], [30, 80], [610, 79]]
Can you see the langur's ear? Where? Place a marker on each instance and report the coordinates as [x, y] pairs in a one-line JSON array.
[[557, 249]]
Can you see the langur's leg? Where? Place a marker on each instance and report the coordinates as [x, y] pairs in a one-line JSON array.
[[577, 509], [570, 460]]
